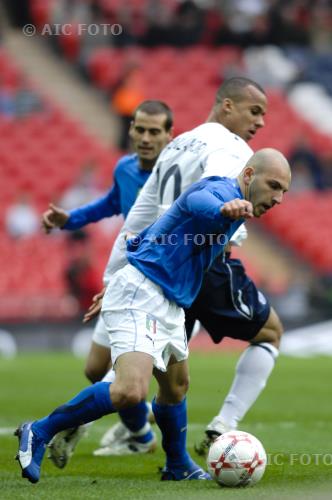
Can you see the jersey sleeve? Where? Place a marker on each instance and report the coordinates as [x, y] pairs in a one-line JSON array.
[[143, 213], [105, 206], [206, 207], [117, 258], [145, 209]]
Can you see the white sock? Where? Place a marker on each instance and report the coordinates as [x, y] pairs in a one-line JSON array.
[[252, 371]]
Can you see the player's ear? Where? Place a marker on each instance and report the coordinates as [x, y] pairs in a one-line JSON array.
[[248, 174], [170, 133], [227, 105], [131, 129]]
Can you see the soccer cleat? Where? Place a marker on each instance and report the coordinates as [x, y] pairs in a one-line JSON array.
[[202, 448], [119, 432], [213, 430], [191, 471], [128, 446], [62, 446], [30, 454]]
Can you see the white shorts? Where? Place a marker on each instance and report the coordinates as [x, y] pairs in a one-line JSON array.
[[138, 317], [100, 334]]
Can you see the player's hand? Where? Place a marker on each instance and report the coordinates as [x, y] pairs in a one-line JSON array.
[[237, 209], [54, 217], [95, 307]]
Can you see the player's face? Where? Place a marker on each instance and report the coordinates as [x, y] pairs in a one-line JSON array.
[[267, 189], [246, 116], [149, 135]]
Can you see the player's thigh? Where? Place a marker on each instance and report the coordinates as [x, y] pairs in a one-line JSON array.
[[174, 383], [133, 375], [133, 354], [271, 331]]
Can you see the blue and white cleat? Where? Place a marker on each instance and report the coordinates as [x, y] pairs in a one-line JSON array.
[[30, 454], [188, 472]]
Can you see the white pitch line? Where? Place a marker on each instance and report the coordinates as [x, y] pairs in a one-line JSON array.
[[283, 424], [5, 431]]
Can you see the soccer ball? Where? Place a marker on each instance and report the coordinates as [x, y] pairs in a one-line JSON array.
[[236, 458]]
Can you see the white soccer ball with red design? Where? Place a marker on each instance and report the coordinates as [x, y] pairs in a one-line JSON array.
[[236, 458]]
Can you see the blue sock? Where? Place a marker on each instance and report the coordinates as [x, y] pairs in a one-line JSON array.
[[172, 421], [90, 404], [135, 419]]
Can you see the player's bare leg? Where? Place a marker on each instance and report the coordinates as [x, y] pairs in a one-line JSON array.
[[98, 362], [252, 372]]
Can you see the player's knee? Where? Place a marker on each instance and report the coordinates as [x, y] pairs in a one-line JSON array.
[[276, 328], [125, 396], [131, 398], [179, 389], [272, 330]]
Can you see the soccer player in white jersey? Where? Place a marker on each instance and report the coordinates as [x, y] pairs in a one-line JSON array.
[[143, 311], [238, 309]]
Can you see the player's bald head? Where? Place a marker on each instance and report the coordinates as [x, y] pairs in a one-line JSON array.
[[269, 160], [265, 179]]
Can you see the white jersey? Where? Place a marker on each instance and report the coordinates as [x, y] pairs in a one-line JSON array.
[[210, 149]]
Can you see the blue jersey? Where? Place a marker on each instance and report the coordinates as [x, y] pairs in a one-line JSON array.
[[129, 178], [181, 245]]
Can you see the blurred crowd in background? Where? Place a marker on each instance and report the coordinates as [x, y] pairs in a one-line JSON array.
[[282, 43], [213, 22]]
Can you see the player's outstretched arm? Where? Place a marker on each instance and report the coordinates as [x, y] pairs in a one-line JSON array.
[[54, 217], [237, 209]]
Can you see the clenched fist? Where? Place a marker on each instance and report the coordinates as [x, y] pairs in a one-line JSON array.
[[237, 209]]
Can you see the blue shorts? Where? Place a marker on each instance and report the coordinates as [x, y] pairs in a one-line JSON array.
[[228, 304]]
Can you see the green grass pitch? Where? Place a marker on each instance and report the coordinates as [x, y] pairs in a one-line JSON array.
[[292, 418]]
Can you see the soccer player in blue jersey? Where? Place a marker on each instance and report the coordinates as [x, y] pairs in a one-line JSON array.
[[229, 304], [143, 310], [150, 131]]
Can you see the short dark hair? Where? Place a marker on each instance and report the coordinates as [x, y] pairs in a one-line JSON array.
[[156, 108], [233, 88]]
